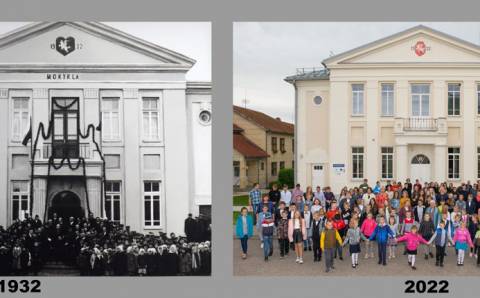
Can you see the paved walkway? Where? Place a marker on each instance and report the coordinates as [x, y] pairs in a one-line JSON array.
[[255, 264]]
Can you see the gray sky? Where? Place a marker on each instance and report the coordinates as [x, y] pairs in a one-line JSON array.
[[192, 39], [265, 53]]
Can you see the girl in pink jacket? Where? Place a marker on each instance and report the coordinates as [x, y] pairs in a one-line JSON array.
[[297, 233], [461, 238], [413, 240], [367, 228]]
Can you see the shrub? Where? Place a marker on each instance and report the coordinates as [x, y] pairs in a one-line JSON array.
[[286, 176]]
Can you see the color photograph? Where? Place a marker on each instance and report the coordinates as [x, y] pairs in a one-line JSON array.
[[105, 145], [356, 149]]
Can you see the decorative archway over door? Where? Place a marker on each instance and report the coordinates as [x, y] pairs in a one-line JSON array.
[[66, 204]]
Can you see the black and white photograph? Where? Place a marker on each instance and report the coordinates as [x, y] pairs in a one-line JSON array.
[[105, 149]]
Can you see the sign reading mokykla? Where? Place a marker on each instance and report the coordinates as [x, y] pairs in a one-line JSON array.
[[65, 45], [62, 76], [420, 48]]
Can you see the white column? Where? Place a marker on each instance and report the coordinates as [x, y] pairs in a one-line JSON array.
[[4, 136], [372, 149], [177, 184], [94, 196], [468, 150], [440, 162], [39, 197], [402, 162], [132, 182]]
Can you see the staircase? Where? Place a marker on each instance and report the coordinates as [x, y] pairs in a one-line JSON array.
[[58, 269]]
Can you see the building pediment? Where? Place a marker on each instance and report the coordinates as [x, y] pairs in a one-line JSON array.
[[83, 46], [416, 46]]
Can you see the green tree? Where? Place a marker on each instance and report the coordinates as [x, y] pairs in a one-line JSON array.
[[286, 176]]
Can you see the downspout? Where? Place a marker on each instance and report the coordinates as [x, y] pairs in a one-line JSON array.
[[266, 163]]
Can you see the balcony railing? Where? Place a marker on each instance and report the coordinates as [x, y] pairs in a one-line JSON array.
[[84, 150], [420, 123]]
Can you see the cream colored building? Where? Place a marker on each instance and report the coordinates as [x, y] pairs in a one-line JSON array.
[[405, 106], [273, 140]]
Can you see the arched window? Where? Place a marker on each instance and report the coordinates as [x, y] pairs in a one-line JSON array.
[[420, 159]]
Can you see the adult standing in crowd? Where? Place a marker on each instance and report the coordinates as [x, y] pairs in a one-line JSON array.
[[255, 198]]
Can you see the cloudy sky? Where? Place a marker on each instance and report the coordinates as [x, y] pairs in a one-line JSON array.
[[192, 39], [265, 53]]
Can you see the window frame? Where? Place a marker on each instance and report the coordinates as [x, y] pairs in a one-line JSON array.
[[273, 169], [113, 193], [459, 94], [421, 98], [354, 95], [20, 95], [151, 194], [111, 96], [282, 145], [355, 158], [159, 110], [19, 194], [454, 157], [389, 157], [391, 97], [274, 144]]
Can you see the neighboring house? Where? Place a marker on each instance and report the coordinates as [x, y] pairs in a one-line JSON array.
[[405, 106], [116, 130], [271, 135], [248, 161]]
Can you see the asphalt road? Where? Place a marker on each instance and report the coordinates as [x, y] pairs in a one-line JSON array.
[[255, 264]]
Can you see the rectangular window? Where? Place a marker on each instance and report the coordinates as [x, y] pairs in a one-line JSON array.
[[387, 162], [262, 166], [20, 118], [357, 99], [112, 200], [112, 161], [357, 162], [453, 163], [110, 118], [478, 99], [20, 161], [151, 200], [282, 145], [420, 100], [236, 169], [274, 144], [453, 99], [20, 199], [388, 102], [274, 169], [151, 118], [282, 165]]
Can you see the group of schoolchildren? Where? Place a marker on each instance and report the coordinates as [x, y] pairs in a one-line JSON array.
[[433, 214], [96, 246]]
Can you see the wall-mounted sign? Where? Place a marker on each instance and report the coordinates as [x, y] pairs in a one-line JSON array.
[[62, 76], [65, 45], [420, 48], [338, 168]]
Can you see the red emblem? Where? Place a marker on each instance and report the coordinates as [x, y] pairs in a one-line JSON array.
[[420, 48]]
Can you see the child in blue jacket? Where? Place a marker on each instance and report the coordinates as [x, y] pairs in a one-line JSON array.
[[380, 234], [244, 230]]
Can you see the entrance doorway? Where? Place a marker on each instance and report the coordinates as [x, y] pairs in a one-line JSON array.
[[318, 175], [66, 204], [420, 168]]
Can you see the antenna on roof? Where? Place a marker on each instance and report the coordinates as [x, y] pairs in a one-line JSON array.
[[245, 100], [332, 53]]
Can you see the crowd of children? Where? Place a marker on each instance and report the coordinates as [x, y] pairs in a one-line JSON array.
[[430, 215], [99, 247]]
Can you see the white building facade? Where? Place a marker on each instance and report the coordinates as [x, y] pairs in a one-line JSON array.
[[406, 106], [113, 124]]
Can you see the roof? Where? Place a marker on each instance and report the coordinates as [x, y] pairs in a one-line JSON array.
[[305, 75], [412, 30], [236, 128], [267, 122], [164, 56], [247, 148]]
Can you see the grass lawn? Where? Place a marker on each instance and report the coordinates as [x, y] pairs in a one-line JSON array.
[[240, 200]]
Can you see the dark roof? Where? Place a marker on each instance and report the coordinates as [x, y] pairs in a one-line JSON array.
[[237, 128], [247, 148], [312, 74], [265, 121]]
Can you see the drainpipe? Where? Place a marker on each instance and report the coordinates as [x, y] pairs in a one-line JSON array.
[[295, 136], [266, 163]]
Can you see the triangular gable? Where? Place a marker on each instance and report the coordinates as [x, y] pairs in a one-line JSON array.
[[83, 43], [419, 44]]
